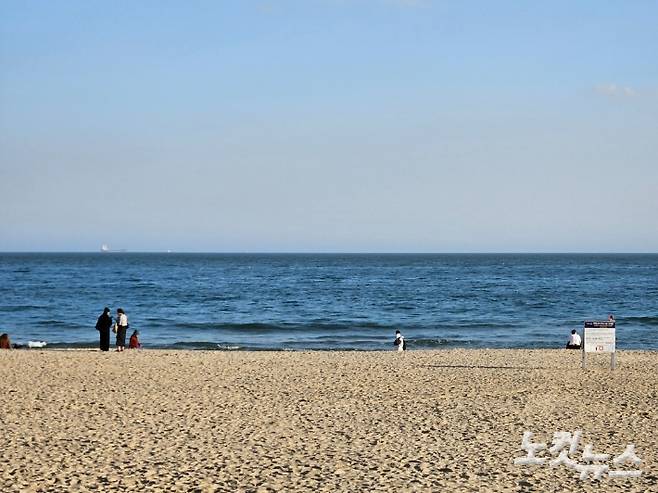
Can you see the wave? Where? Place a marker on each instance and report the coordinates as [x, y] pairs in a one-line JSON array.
[[331, 327], [55, 323], [220, 297], [22, 308], [266, 328], [477, 325], [71, 345], [651, 321], [428, 343], [201, 345]]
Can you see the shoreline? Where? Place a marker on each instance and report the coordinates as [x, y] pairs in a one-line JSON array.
[[329, 351]]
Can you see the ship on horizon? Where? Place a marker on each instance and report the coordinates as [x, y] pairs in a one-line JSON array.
[[105, 248]]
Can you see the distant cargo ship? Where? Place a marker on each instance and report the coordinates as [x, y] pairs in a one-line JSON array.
[[106, 249]]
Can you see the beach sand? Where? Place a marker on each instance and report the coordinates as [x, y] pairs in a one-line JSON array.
[[318, 421]]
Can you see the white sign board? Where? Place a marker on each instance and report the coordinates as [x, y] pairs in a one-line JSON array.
[[599, 339]]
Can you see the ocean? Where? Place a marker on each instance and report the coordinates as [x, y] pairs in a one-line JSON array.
[[329, 301]]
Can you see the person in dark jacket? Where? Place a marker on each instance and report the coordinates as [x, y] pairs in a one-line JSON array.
[[103, 326]]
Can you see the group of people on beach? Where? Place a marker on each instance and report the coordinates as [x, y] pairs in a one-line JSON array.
[[119, 327]]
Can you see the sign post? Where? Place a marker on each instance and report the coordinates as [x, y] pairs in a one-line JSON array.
[[599, 337]]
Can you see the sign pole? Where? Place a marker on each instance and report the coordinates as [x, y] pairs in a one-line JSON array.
[[613, 361]]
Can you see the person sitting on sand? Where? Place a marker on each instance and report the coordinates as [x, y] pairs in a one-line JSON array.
[[5, 343], [134, 341], [574, 340], [399, 341]]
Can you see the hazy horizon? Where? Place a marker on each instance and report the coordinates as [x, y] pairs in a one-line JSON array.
[[329, 126], [302, 252]]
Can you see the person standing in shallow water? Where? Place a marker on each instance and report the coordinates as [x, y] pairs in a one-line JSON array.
[[103, 326], [122, 327]]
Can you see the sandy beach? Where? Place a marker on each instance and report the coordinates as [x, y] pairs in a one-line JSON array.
[[328, 421]]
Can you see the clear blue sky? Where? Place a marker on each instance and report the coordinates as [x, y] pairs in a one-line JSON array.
[[364, 125]]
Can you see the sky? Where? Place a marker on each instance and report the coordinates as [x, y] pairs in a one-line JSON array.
[[329, 126]]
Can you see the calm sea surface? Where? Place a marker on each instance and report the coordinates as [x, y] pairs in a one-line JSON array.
[[253, 301]]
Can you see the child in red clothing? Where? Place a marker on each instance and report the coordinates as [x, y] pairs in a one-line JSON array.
[[134, 341]]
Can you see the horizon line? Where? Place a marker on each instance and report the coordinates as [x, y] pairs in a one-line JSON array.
[[255, 252]]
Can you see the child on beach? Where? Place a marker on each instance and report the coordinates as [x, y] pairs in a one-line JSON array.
[[399, 341], [134, 341]]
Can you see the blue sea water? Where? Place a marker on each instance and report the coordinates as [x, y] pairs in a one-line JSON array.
[[329, 301]]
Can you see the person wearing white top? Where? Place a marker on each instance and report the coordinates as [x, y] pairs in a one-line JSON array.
[[122, 327], [399, 342], [574, 340]]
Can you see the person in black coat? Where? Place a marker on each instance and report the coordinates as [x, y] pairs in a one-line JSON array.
[[103, 327]]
